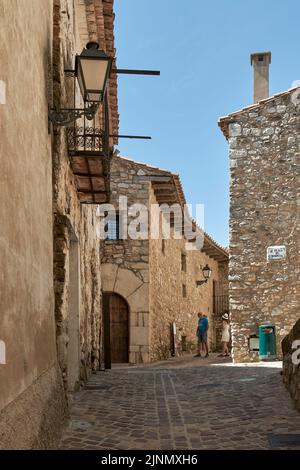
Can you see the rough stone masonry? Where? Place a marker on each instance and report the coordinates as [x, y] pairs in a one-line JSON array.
[[264, 211]]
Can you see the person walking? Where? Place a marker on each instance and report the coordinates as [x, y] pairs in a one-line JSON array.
[[202, 329], [225, 336]]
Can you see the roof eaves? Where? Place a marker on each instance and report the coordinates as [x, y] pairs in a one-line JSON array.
[[182, 201], [225, 120]]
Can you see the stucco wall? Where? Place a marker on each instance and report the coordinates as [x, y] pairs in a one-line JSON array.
[[26, 245], [73, 223], [35, 419], [264, 211]]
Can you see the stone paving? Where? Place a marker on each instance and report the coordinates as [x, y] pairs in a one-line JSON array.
[[183, 403]]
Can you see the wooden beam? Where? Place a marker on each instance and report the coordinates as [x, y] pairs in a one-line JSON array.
[[89, 175], [164, 189], [165, 195], [163, 185], [97, 200], [87, 154], [90, 191], [166, 200]]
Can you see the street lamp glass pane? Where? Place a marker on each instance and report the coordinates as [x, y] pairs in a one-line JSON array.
[[81, 84], [94, 73]]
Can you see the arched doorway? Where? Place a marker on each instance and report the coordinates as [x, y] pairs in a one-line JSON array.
[[116, 328]]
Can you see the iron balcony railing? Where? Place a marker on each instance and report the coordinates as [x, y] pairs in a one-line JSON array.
[[87, 139]]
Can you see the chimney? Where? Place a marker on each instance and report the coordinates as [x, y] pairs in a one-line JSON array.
[[260, 62]]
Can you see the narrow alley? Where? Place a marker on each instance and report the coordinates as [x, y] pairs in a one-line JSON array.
[[184, 403], [150, 203]]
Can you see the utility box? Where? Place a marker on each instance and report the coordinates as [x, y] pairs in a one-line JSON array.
[[267, 342]]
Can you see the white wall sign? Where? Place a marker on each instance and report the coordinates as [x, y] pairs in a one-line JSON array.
[[254, 344], [276, 253]]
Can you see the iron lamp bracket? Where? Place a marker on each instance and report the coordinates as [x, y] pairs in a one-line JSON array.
[[65, 116]]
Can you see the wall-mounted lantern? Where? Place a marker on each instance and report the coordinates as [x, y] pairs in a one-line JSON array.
[[206, 271], [92, 70]]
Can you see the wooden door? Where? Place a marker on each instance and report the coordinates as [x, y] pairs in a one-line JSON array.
[[117, 329]]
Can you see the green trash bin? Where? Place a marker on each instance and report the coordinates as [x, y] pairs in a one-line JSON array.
[[267, 342]]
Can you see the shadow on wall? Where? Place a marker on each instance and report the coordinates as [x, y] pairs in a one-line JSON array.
[[291, 363]]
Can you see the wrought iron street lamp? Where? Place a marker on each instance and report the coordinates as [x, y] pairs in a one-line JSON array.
[[206, 271], [92, 70]]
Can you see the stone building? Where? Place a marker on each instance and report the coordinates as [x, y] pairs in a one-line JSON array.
[[76, 192], [50, 302], [264, 212], [52, 277], [150, 283]]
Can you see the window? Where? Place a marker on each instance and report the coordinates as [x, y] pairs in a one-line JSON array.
[[184, 293], [163, 246], [183, 262], [112, 227]]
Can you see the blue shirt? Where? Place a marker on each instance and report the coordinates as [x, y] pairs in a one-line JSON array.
[[202, 325]]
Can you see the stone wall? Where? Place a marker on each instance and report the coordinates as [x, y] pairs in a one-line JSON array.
[[291, 369], [32, 403], [125, 263], [264, 211], [221, 301], [152, 282], [76, 245], [167, 302]]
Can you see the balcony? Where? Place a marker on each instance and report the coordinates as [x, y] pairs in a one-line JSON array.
[[88, 149]]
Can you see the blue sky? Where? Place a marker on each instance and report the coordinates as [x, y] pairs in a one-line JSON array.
[[202, 50]]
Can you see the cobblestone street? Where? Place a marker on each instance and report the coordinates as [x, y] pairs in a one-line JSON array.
[[184, 403]]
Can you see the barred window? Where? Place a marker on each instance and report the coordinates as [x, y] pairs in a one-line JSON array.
[[112, 227]]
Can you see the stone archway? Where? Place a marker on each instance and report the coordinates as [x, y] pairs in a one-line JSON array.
[[128, 285]]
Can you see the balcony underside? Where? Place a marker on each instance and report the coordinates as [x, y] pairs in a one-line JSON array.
[[92, 177], [90, 162]]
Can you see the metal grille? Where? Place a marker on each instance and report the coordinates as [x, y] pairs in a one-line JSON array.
[[221, 304], [82, 139]]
